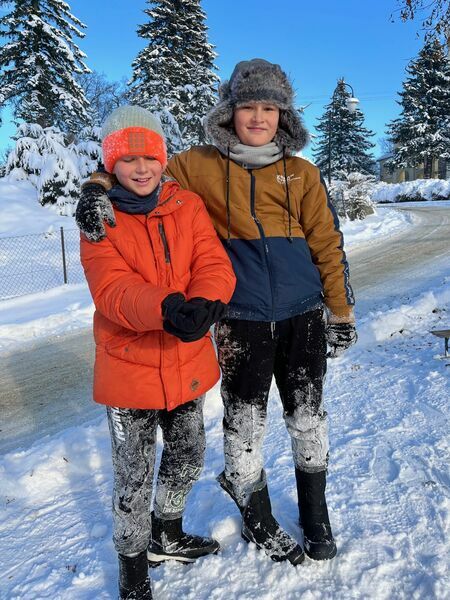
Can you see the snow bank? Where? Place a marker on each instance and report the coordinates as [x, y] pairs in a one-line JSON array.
[[405, 320], [21, 213], [384, 223], [419, 189], [54, 312]]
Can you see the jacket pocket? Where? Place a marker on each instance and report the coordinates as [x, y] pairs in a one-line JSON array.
[[137, 348]]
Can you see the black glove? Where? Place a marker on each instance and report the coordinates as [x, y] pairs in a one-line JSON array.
[[190, 320], [93, 208], [340, 336]]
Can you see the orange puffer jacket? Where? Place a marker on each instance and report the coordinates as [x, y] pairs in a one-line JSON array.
[[143, 259]]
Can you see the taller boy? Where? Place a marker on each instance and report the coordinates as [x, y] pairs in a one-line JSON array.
[[272, 212]]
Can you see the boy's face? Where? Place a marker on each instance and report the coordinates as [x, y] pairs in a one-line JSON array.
[[138, 174], [256, 123]]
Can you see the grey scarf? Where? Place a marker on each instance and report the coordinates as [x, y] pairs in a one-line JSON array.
[[255, 157]]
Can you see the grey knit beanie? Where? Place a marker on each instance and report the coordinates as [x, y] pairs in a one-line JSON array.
[[256, 80], [132, 130]]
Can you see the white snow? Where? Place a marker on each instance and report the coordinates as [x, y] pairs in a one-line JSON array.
[[419, 189], [388, 479]]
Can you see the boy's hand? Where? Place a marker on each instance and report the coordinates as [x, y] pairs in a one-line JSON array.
[[340, 336], [93, 208], [190, 320]]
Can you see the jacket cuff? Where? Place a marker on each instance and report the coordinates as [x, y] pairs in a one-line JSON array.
[[340, 314]]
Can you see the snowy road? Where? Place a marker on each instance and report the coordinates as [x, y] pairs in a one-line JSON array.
[[47, 387]]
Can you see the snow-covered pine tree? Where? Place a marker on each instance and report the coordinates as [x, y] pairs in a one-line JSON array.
[[174, 75], [24, 161], [41, 156], [39, 61], [422, 131], [59, 178], [89, 151], [343, 135]]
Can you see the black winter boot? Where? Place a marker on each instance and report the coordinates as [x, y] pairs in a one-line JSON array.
[[134, 583], [169, 542], [318, 539], [260, 526]]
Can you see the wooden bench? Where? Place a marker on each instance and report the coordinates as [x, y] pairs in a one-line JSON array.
[[443, 333]]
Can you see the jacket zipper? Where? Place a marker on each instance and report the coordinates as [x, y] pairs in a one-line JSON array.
[[263, 238], [162, 233]]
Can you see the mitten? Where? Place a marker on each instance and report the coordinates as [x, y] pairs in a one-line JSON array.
[[93, 208], [190, 320], [340, 336]]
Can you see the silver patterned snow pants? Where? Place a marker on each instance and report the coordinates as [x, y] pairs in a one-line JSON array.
[[133, 443]]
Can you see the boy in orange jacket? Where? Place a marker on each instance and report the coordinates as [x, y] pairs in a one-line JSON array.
[[159, 280]]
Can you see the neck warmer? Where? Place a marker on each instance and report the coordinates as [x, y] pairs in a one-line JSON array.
[[131, 203], [255, 157]]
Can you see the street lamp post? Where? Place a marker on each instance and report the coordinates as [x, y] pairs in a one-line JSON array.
[[352, 104]]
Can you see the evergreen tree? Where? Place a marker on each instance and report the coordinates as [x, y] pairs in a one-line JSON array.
[[422, 131], [56, 169], [174, 75], [343, 136], [89, 151], [39, 63]]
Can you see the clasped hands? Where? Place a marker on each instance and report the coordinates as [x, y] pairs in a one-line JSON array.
[[190, 320]]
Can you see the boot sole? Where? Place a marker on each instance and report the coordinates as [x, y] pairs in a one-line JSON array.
[[294, 557], [154, 560]]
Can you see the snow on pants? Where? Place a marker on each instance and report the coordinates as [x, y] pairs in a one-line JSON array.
[[133, 442], [250, 353]]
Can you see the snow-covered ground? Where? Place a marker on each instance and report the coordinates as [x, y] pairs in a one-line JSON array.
[[388, 479]]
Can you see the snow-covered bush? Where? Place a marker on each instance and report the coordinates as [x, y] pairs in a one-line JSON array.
[[412, 191], [351, 196], [59, 181], [24, 161], [89, 151], [56, 169]]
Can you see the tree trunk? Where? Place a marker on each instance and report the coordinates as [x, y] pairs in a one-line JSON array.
[[427, 167]]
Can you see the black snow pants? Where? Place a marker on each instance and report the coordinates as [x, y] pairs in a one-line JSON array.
[[133, 442], [250, 354]]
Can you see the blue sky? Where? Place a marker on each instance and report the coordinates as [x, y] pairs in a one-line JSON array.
[[316, 42]]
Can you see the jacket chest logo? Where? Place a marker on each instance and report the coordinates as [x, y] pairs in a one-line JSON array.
[[281, 179]]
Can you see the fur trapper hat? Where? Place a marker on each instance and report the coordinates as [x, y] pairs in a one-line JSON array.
[[133, 131], [256, 80]]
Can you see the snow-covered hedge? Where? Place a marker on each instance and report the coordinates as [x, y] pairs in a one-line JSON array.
[[412, 191]]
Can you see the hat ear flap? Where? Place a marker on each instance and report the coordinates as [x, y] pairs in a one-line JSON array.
[[291, 132]]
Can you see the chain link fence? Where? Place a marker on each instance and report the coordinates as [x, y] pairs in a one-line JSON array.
[[38, 262]]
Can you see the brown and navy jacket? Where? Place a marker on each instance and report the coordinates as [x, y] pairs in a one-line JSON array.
[[284, 241]]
